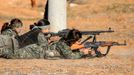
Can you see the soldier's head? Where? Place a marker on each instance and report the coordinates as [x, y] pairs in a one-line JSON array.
[[42, 24], [16, 24], [72, 36]]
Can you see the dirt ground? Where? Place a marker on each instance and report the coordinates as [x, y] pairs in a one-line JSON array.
[[92, 15]]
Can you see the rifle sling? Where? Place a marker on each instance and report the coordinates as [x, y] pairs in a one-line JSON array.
[[108, 49]]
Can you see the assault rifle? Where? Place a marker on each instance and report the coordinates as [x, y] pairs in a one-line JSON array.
[[94, 44], [98, 44], [62, 33]]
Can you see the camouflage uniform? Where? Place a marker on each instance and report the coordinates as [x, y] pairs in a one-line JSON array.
[[31, 45], [28, 52], [35, 50], [38, 47], [6, 50], [66, 51], [62, 50], [55, 50], [9, 32], [5, 45]]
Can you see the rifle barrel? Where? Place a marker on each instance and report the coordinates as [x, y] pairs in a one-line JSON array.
[[97, 32]]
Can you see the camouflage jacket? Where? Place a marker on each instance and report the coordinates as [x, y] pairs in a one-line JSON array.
[[9, 32], [5, 45], [62, 50], [54, 50], [30, 51]]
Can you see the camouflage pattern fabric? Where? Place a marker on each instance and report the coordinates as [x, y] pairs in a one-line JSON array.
[[6, 52], [36, 50], [62, 50], [51, 52], [5, 45], [9, 32], [5, 41], [28, 52], [42, 49], [66, 51], [31, 51], [42, 40]]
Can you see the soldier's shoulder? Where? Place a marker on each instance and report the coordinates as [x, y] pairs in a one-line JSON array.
[[41, 34], [61, 44], [7, 31]]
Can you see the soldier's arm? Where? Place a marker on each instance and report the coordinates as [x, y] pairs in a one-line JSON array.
[[42, 40], [66, 51], [6, 32], [9, 32]]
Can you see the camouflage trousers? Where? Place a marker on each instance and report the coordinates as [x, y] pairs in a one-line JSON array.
[[28, 52], [33, 51], [55, 50]]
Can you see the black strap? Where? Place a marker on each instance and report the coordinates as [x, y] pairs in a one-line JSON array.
[[108, 49]]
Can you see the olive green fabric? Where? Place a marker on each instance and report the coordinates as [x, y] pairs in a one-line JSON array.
[[28, 52], [9, 32], [41, 49], [62, 50], [32, 50], [6, 45], [36, 50], [6, 52], [66, 51], [51, 52]]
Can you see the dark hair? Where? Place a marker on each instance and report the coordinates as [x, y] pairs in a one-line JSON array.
[[32, 26], [72, 36], [11, 25], [43, 22], [14, 21], [5, 26]]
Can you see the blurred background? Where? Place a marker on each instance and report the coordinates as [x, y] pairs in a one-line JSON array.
[[85, 15]]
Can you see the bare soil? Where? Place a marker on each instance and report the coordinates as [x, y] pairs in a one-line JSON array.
[[92, 15]]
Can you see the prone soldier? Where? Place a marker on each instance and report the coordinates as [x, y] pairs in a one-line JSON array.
[[63, 49], [60, 49], [34, 49], [67, 47]]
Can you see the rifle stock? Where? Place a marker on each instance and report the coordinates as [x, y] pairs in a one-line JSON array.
[[104, 43]]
